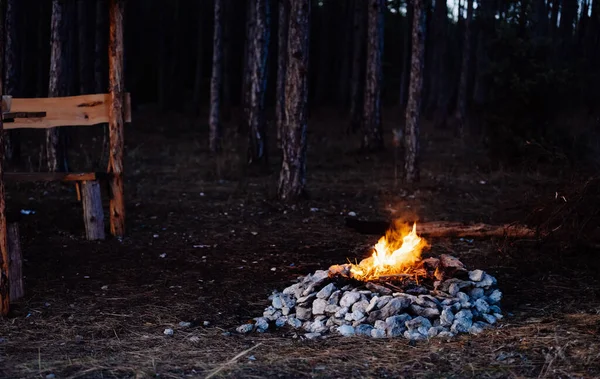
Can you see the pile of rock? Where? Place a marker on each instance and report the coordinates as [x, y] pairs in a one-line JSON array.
[[319, 304]]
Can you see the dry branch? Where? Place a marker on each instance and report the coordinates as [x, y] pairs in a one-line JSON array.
[[448, 229]]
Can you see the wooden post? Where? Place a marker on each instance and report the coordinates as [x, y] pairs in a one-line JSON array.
[[93, 215], [15, 264], [115, 125], [4, 258]]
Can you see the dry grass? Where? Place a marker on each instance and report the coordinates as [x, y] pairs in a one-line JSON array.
[[70, 326]]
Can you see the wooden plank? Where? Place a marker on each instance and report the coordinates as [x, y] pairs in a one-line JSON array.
[[50, 176], [15, 265], [116, 76], [83, 110], [93, 215]]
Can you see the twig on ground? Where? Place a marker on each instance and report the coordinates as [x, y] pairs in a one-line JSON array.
[[232, 360]]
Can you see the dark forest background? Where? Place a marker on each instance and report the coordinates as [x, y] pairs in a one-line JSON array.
[[532, 72]]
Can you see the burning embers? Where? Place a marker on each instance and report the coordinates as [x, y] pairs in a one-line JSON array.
[[392, 293]]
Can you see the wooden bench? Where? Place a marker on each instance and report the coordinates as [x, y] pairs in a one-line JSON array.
[[44, 113]]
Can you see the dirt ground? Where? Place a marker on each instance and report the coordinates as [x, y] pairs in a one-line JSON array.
[[199, 248]]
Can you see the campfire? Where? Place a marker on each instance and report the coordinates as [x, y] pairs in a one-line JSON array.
[[394, 292]]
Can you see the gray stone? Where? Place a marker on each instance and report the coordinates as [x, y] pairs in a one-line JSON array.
[[419, 324], [463, 298], [498, 316], [495, 309], [427, 301], [277, 303], [349, 298], [457, 306], [378, 333], [395, 325], [358, 315], [349, 316], [495, 297], [326, 291], [281, 321], [374, 316], [476, 293], [303, 313], [447, 317], [330, 322], [288, 301], [380, 324], [285, 311], [294, 289], [394, 307], [342, 312], [414, 335], [489, 319], [463, 321], [482, 306], [312, 336], [363, 330], [332, 309], [445, 334], [339, 321], [320, 318], [335, 297], [452, 286], [433, 331], [425, 312], [306, 325], [318, 327], [477, 327], [476, 275], [318, 307], [486, 281], [372, 304], [294, 322], [382, 301], [269, 311], [274, 316], [346, 330], [360, 306], [306, 299], [246, 328]]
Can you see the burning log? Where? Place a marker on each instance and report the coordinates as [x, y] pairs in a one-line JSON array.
[[447, 229]]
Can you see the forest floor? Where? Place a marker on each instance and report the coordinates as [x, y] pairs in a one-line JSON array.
[[202, 249]]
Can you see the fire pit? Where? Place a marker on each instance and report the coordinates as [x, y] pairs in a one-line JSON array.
[[393, 293]]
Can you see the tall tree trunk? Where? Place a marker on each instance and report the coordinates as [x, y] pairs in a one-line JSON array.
[[372, 133], [12, 71], [55, 157], [482, 63], [413, 107], [540, 20], [292, 178], [568, 15], [248, 63], [42, 48], [406, 56], [257, 148], [227, 54], [197, 91], [554, 19], [438, 84], [461, 100], [84, 48], [282, 40], [356, 79], [344, 58], [216, 84], [4, 256]]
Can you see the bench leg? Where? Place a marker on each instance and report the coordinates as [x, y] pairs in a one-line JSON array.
[[93, 214], [15, 262]]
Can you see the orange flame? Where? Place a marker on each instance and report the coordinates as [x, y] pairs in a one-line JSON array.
[[394, 254]]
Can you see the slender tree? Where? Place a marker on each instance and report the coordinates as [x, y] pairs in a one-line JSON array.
[[282, 40], [248, 61], [438, 84], [356, 77], [12, 71], [292, 178], [55, 156], [406, 60], [461, 100], [257, 132], [413, 107], [216, 80], [372, 133], [197, 91], [4, 256]]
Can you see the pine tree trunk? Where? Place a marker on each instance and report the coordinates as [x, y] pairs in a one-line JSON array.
[[482, 63], [257, 148], [216, 84], [372, 133], [292, 178], [4, 254], [12, 71], [438, 84], [282, 40], [356, 79], [100, 47], [406, 56], [344, 58], [42, 46], [248, 63], [57, 83], [227, 54], [413, 107], [554, 19], [461, 101]]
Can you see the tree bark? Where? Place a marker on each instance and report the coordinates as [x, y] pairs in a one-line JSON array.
[[413, 107], [406, 57], [216, 84], [116, 84], [55, 156], [356, 87], [15, 263], [282, 40], [292, 178], [248, 63], [12, 71], [93, 214], [257, 148], [372, 133], [4, 253], [461, 101]]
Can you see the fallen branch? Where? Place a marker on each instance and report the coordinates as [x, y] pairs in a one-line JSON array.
[[232, 360], [447, 229]]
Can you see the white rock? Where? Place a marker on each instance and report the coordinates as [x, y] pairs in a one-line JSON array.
[[303, 313], [185, 324], [378, 333], [294, 322], [246, 328], [372, 304], [349, 298], [326, 291], [352, 214], [360, 306], [346, 330], [342, 312], [380, 324], [318, 307], [447, 317], [476, 275], [318, 327], [168, 332], [489, 319], [482, 306], [495, 297], [312, 336], [262, 324]]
